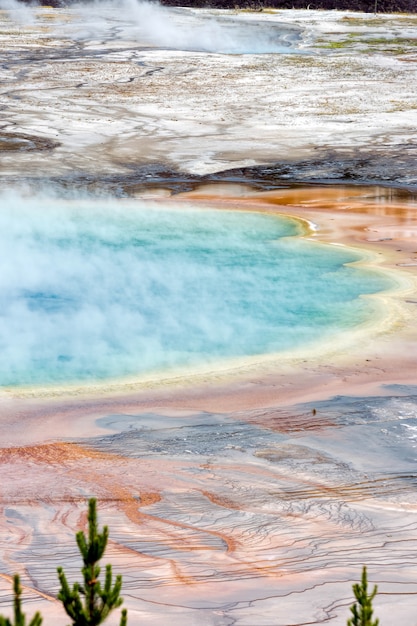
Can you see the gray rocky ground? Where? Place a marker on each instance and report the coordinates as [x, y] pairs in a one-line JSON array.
[[94, 96]]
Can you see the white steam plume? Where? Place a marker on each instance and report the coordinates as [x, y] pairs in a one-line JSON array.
[[19, 12], [90, 290], [157, 26]]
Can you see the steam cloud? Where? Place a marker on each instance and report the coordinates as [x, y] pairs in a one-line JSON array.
[[164, 27], [151, 24], [18, 11], [91, 290]]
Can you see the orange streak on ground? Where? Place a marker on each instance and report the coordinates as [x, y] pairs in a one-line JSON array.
[[130, 507], [220, 500], [32, 589], [61, 453], [52, 453]]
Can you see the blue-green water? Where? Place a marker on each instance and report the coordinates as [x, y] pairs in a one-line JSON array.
[[89, 292]]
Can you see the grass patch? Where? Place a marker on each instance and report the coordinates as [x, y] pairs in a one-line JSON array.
[[395, 41], [334, 45], [365, 44], [390, 21]]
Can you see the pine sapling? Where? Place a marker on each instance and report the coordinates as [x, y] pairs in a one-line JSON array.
[[19, 617], [362, 610], [89, 604]]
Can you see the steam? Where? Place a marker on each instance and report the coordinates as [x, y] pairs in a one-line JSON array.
[[19, 12], [150, 24], [163, 27], [90, 290]]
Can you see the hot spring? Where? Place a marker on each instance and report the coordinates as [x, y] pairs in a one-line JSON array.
[[152, 25], [92, 290]]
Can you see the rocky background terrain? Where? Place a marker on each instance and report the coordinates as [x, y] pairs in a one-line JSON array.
[[369, 6]]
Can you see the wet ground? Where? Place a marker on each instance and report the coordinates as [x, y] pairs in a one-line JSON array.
[[230, 517], [235, 498], [93, 99]]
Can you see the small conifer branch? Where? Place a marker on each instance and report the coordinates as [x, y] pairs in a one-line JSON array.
[[89, 604], [19, 616], [362, 610], [123, 618]]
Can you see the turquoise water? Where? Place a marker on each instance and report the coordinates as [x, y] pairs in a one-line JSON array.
[[89, 292]]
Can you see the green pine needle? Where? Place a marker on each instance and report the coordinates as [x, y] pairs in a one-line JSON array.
[[362, 610], [90, 603], [19, 616]]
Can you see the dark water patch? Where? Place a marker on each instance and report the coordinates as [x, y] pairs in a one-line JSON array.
[[207, 434], [407, 390], [377, 434], [18, 58], [394, 168], [358, 461], [137, 180], [212, 437], [346, 410], [19, 142], [396, 165], [141, 178]]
